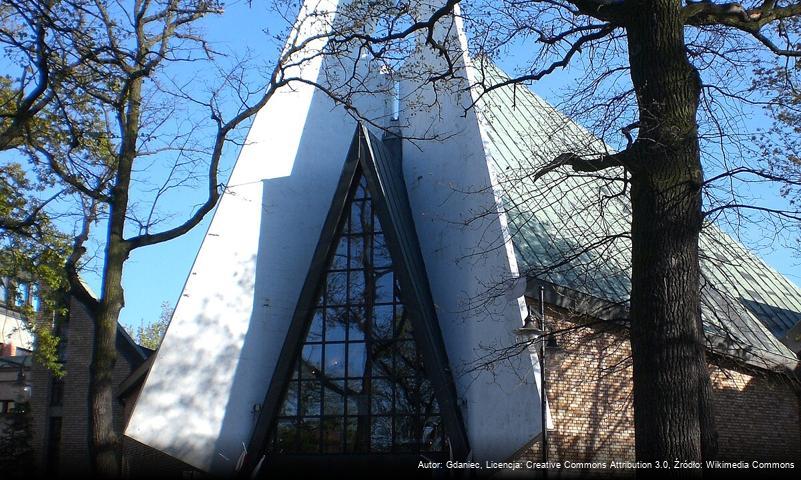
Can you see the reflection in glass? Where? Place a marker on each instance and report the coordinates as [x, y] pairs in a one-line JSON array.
[[357, 288], [334, 398], [312, 361], [357, 357], [359, 384], [406, 432], [356, 257], [316, 328], [340, 260], [357, 324], [309, 435], [333, 433], [309, 398], [336, 320], [337, 288], [358, 398], [381, 435], [290, 406], [335, 360], [384, 286], [381, 258], [383, 316]]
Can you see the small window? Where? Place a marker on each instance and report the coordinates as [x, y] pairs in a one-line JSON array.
[[56, 392], [6, 406], [53, 445], [22, 296], [3, 291]]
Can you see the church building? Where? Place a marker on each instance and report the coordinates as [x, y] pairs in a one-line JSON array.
[[359, 294]]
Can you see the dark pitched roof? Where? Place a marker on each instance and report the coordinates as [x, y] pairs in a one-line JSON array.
[[562, 237]]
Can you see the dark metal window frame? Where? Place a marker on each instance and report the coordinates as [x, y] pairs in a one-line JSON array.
[[416, 292], [412, 407]]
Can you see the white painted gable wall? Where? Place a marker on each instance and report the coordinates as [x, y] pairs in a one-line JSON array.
[[450, 182], [226, 333], [229, 325]]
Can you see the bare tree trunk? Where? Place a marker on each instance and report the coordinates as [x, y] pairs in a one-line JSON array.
[[105, 444], [672, 393]]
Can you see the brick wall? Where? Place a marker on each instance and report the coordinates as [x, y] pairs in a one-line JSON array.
[[590, 397], [74, 409]]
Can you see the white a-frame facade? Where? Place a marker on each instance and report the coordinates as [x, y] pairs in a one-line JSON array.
[[209, 388]]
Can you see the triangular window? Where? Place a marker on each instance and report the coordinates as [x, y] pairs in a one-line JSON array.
[[358, 384]]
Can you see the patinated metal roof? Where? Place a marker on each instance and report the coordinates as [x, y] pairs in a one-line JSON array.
[[571, 229]]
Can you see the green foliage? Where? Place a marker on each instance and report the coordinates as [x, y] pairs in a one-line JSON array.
[[16, 453], [46, 352], [149, 335], [781, 142]]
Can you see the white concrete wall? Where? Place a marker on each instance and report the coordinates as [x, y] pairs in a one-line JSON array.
[[463, 236], [219, 353], [222, 345]]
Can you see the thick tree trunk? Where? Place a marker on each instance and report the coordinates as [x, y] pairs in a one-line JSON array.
[[105, 441], [672, 393], [105, 446]]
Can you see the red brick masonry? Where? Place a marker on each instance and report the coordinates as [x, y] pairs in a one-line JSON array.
[[589, 390]]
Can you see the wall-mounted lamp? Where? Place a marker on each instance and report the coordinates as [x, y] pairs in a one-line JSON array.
[[532, 332]]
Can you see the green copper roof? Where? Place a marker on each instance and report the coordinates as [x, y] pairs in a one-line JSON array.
[[570, 229]]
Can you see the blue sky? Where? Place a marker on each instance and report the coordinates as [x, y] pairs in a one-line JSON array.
[[157, 274]]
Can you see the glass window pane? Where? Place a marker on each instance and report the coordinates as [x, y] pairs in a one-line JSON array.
[[406, 361], [309, 398], [333, 435], [428, 400], [356, 292], [335, 360], [357, 434], [381, 435], [290, 405], [376, 224], [334, 398], [336, 321], [407, 395], [286, 434], [360, 220], [432, 435], [356, 252], [381, 359], [340, 260], [407, 430], [381, 258], [309, 434], [384, 286], [357, 357], [312, 361], [403, 324], [382, 322], [21, 297], [361, 189], [361, 330], [357, 324], [382, 397], [316, 328], [336, 288], [358, 399]]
